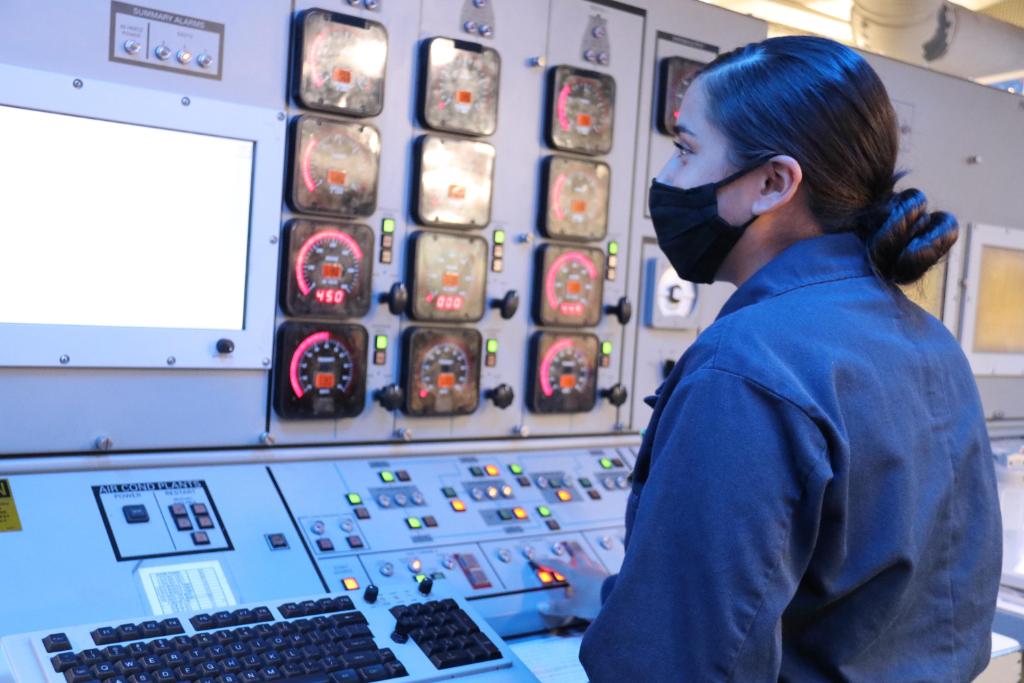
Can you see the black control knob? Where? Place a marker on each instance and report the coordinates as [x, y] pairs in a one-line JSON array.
[[508, 304], [371, 593], [426, 585], [623, 310], [391, 397], [225, 346], [502, 395], [397, 298], [616, 395]]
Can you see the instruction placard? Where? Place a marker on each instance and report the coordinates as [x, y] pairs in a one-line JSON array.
[[8, 511]]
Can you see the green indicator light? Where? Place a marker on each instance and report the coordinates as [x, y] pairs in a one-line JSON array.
[[499, 237], [515, 469], [354, 498], [544, 511], [380, 342], [414, 522], [613, 248], [492, 346], [606, 463], [387, 226], [387, 477], [419, 577], [606, 348]]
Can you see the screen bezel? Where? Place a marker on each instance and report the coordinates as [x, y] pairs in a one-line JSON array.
[[50, 345]]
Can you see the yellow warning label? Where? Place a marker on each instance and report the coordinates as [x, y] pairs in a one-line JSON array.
[[8, 512]]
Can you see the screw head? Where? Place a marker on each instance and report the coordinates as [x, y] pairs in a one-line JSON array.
[[280, 116], [185, 101], [104, 443], [65, 359], [273, 239], [267, 439], [266, 362], [521, 430], [77, 83], [171, 360]]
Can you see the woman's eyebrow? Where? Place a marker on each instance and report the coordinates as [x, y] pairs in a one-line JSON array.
[[681, 128]]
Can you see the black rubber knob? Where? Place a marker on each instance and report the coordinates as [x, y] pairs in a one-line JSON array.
[[508, 304], [616, 395], [371, 593], [397, 298], [502, 396], [391, 397], [623, 310], [426, 585], [225, 346]]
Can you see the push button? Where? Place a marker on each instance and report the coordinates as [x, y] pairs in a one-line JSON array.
[[277, 541], [402, 475], [448, 492], [325, 545], [414, 522], [476, 471], [178, 510], [350, 583], [429, 520], [354, 499], [515, 469], [355, 542], [135, 514], [183, 523], [458, 505], [594, 494], [362, 513], [199, 509], [204, 522], [200, 538], [56, 642]]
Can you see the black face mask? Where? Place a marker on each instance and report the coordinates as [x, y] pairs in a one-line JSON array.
[[690, 232]]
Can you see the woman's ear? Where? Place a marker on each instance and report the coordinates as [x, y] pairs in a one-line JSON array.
[[780, 181]]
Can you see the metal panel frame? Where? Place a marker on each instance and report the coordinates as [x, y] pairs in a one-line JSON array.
[[133, 347]]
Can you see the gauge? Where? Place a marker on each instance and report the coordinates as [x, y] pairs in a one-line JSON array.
[[449, 277], [334, 167], [571, 285], [459, 87], [321, 371], [581, 110], [339, 63], [442, 371], [327, 270], [454, 182], [676, 75], [564, 378], [576, 198]]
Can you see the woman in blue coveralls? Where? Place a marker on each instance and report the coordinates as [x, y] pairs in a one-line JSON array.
[[814, 499]]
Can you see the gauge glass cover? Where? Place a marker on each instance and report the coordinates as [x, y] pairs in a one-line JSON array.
[[454, 182], [459, 87], [321, 371], [582, 110], [442, 371], [334, 167], [570, 287], [564, 377], [576, 198], [449, 277]]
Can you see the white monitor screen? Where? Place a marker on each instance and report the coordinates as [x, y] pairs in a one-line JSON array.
[[111, 224]]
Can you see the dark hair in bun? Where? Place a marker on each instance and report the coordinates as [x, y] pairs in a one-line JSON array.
[[906, 240], [821, 103]]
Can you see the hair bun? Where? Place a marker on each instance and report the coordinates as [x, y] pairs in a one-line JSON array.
[[909, 240]]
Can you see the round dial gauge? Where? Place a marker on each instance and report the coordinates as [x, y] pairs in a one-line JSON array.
[[676, 75], [322, 370], [576, 198], [565, 373], [460, 87], [334, 167], [328, 269], [582, 110], [571, 285], [449, 277], [442, 371], [454, 185], [341, 63]]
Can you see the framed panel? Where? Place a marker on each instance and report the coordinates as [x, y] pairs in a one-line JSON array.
[[992, 326]]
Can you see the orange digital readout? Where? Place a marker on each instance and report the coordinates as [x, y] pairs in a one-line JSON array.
[[446, 380], [573, 286], [342, 75], [323, 380], [456, 192], [567, 381], [331, 270], [450, 279], [578, 206], [464, 97], [336, 177], [583, 120]]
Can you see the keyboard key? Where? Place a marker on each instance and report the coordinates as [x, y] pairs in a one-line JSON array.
[[56, 642], [345, 676], [201, 622], [104, 670], [79, 673], [374, 672], [64, 661], [151, 629], [104, 635], [129, 632], [90, 656]]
